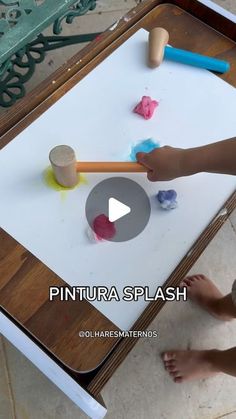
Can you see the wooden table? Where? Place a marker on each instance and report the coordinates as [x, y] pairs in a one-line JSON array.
[[89, 363]]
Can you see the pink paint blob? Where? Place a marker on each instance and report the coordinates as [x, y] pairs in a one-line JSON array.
[[103, 228], [98, 37], [146, 107]]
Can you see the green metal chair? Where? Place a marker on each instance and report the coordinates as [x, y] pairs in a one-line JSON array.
[[22, 44]]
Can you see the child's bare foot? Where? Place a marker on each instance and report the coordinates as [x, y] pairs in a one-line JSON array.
[[189, 365], [204, 292]]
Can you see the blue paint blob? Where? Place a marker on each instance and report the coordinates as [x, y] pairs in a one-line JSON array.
[[167, 199], [145, 146]]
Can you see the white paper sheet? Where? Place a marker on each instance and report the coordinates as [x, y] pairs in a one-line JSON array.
[[96, 119]]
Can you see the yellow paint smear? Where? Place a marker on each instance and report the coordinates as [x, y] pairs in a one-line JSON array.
[[51, 182]]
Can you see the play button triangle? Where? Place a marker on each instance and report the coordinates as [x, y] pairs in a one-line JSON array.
[[117, 210]]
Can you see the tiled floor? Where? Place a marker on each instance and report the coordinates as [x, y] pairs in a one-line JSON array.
[[140, 388], [227, 4]]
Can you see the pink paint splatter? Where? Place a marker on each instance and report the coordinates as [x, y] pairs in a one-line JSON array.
[[146, 107], [103, 228], [98, 37]]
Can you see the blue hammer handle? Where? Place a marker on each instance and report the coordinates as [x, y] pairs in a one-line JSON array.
[[197, 60]]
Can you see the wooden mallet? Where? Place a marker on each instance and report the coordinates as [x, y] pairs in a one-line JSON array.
[[159, 50], [66, 169]]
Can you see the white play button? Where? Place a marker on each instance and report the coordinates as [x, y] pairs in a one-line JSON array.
[[117, 210]]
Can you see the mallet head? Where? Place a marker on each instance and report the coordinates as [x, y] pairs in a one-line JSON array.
[[63, 161], [158, 39]]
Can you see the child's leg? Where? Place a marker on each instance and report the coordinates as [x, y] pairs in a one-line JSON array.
[[227, 307], [225, 361]]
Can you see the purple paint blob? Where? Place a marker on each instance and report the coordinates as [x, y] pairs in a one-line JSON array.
[[103, 228], [167, 199]]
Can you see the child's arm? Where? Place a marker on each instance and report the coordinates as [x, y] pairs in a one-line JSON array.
[[168, 163]]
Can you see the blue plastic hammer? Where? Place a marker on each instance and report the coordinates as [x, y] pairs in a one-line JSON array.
[[158, 50]]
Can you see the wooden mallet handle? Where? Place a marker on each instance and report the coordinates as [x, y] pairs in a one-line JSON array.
[[66, 169], [110, 167]]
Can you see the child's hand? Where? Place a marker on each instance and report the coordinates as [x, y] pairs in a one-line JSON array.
[[168, 163], [162, 163]]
